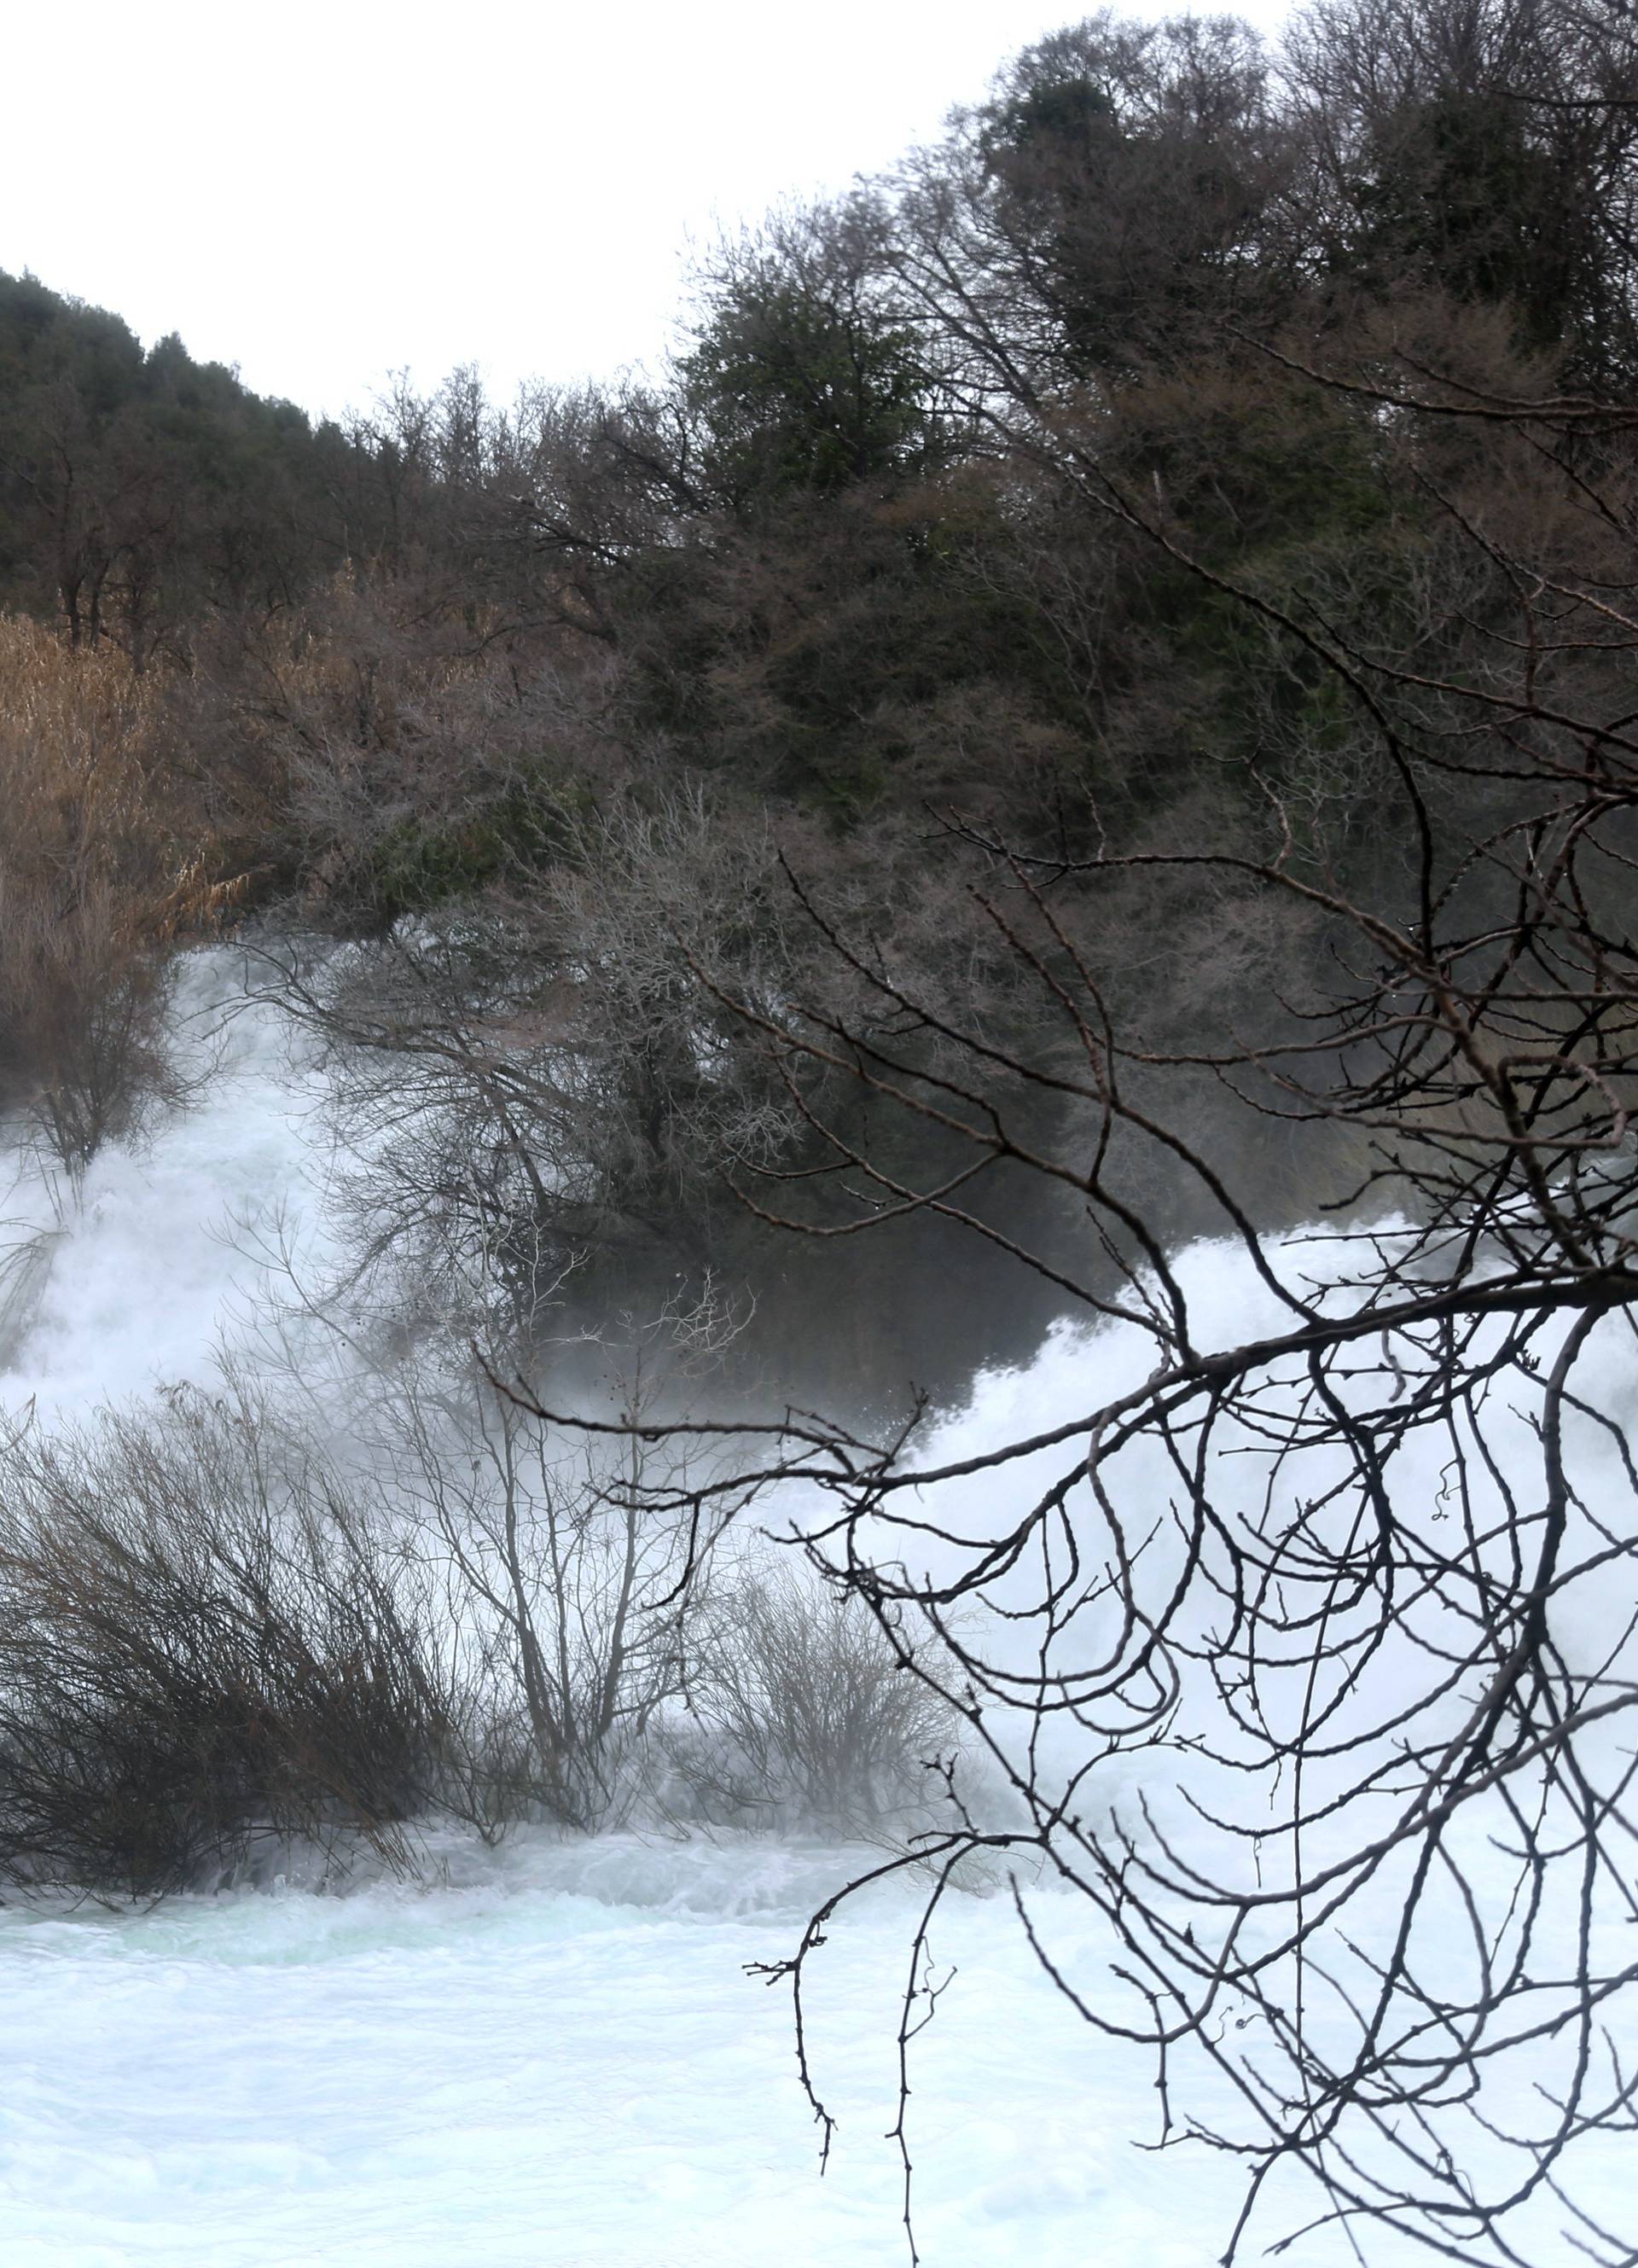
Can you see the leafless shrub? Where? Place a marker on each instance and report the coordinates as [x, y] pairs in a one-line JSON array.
[[567, 1602], [532, 1083], [527, 1075], [201, 1639], [803, 1714], [213, 1632], [371, 748], [87, 1023]]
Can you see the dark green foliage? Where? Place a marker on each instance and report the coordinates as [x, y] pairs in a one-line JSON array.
[[141, 491], [1133, 167], [420, 862], [1459, 192], [800, 393], [1488, 152]]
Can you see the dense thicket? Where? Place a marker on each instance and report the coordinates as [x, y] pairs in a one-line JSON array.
[[945, 513]]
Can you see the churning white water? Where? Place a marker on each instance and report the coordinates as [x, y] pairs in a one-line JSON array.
[[138, 1277], [551, 2054], [562, 2063]]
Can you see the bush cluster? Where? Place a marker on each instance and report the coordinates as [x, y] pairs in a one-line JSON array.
[[211, 1635]]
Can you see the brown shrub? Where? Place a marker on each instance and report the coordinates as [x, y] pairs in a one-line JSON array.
[[100, 870]]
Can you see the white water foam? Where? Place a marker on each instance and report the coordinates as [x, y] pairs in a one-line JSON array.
[[158, 1259], [549, 2054]]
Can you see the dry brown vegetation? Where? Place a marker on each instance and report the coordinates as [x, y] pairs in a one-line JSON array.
[[102, 867]]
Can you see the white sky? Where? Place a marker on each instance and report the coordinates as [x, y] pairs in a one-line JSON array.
[[325, 193]]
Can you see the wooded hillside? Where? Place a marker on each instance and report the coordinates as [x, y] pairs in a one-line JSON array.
[[1017, 498]]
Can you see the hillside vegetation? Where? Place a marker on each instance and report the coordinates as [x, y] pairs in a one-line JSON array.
[[995, 502]]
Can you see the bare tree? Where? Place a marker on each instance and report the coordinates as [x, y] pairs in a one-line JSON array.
[[1354, 1567], [561, 1582], [531, 1077]]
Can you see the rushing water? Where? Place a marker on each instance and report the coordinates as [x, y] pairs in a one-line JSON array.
[[552, 2053], [135, 1282]]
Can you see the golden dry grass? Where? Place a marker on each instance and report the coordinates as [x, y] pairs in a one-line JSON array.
[[99, 872], [89, 792]]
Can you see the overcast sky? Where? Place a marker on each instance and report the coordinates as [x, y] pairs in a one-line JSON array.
[[325, 193]]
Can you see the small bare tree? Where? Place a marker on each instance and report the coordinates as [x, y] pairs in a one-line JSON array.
[[562, 1586]]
